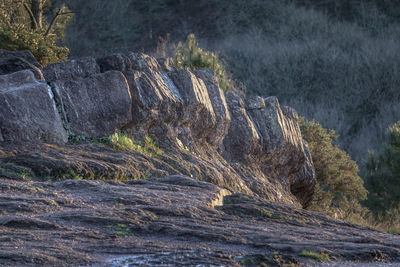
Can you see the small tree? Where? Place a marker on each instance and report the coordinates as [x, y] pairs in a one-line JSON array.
[[191, 56], [383, 178], [339, 189], [23, 27]]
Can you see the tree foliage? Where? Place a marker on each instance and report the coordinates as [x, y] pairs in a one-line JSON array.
[[383, 178], [339, 189], [23, 27], [191, 56]]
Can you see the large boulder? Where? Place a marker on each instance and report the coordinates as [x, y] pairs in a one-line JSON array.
[[280, 137], [96, 106], [284, 156], [198, 112], [253, 146], [74, 69], [242, 143], [155, 98], [218, 102], [28, 111], [13, 61], [143, 62]]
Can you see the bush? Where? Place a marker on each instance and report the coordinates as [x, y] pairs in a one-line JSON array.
[[191, 56], [383, 178], [339, 189]]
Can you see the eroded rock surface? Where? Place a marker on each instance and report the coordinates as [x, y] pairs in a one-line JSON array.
[[243, 140], [28, 111], [255, 139], [155, 101], [96, 106], [172, 220], [219, 105]]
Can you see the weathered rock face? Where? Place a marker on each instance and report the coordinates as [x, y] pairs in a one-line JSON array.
[[283, 155], [27, 110], [142, 62], [221, 165], [155, 98], [198, 113], [302, 186], [96, 106], [243, 141], [13, 61], [220, 107], [253, 146]]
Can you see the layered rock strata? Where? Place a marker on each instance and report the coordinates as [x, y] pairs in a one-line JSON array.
[[253, 146]]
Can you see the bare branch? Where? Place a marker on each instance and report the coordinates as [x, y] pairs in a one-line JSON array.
[[53, 20], [29, 10]]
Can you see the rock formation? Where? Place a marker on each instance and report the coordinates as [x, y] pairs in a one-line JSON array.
[[27, 110], [251, 146], [213, 145]]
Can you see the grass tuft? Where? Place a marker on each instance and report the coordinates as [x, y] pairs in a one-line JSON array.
[[319, 256], [121, 141]]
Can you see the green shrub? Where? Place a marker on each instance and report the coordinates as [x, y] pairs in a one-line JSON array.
[[191, 56], [319, 256], [383, 178], [339, 189], [122, 141], [17, 34]]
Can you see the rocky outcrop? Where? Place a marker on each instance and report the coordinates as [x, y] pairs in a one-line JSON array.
[[219, 105], [206, 181], [249, 145], [283, 150], [155, 99], [198, 113], [243, 141], [96, 106], [27, 110]]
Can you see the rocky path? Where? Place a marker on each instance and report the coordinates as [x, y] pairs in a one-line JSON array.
[[170, 221]]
